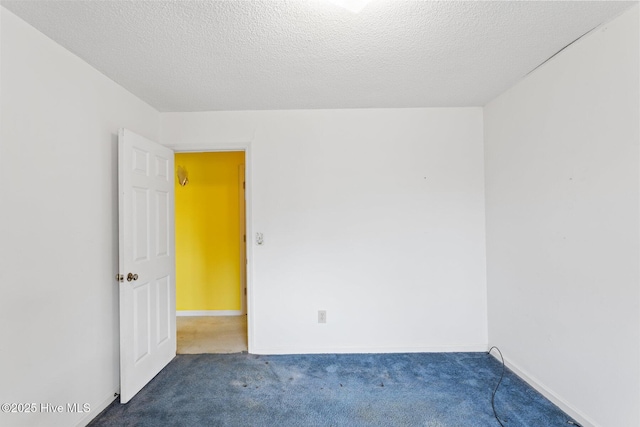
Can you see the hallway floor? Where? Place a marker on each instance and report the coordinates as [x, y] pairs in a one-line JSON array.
[[211, 334]]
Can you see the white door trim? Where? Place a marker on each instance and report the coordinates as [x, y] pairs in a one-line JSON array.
[[246, 147]]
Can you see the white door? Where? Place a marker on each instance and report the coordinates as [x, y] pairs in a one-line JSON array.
[[147, 261]]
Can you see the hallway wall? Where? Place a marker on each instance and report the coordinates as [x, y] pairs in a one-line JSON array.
[[208, 232]]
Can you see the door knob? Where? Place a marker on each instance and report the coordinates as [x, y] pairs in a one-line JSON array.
[[131, 277]]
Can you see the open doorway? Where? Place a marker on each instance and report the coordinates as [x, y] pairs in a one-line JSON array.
[[210, 252]]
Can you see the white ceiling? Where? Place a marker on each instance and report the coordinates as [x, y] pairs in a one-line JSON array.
[[254, 55]]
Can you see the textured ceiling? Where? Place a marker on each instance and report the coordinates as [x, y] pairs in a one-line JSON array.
[[253, 55]]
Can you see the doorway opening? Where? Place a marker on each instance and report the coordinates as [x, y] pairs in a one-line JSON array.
[[210, 220]]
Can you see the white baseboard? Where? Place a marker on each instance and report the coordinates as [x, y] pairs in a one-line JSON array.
[[208, 312], [368, 350], [95, 411], [540, 387]]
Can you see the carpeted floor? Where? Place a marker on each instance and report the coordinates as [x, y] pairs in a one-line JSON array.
[[414, 389]]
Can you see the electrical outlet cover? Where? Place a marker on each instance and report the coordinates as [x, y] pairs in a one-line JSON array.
[[322, 316]]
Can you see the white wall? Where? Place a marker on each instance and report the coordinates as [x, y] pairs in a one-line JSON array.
[[58, 225], [562, 194], [376, 216]]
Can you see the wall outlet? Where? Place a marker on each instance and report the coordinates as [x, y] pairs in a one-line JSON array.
[[322, 316]]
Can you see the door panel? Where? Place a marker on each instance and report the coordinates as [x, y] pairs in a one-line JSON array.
[[147, 261], [141, 324]]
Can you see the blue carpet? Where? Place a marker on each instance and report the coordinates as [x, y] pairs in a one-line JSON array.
[[412, 389]]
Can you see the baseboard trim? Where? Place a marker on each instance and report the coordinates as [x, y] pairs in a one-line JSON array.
[[95, 411], [546, 392], [208, 312], [368, 350]]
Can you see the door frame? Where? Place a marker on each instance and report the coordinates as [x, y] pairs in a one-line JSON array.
[[224, 147]]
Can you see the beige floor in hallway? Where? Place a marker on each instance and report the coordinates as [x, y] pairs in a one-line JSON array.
[[211, 334]]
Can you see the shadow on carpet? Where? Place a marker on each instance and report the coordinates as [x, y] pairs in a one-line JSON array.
[[409, 389]]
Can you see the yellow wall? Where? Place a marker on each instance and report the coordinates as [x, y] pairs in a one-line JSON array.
[[208, 232]]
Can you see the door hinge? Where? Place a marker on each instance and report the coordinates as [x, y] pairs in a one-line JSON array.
[[244, 238], [244, 186]]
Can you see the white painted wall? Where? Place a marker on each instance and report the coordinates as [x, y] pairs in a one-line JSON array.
[[376, 216], [58, 225], [562, 194]]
